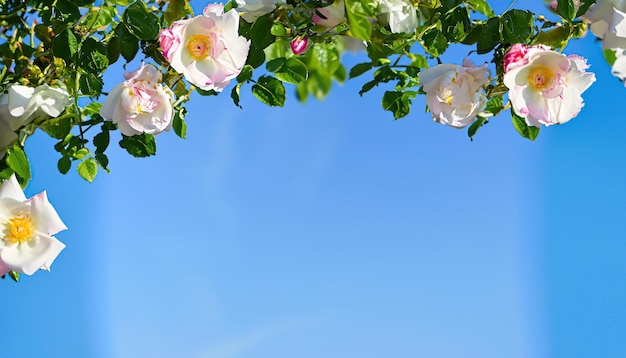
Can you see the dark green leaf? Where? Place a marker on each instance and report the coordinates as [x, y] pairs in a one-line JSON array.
[[261, 32], [360, 69], [64, 164], [141, 145], [141, 22], [275, 64], [397, 102], [179, 125], [65, 44], [245, 74], [517, 26], [101, 141], [270, 91], [584, 6], [90, 84], [293, 71], [114, 49], [526, 131], [566, 9], [471, 131], [130, 42], [435, 42], [490, 37]]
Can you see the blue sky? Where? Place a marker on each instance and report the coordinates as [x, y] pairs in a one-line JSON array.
[[330, 230]]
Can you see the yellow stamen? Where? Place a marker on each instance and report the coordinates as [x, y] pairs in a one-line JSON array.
[[20, 229], [199, 46], [540, 77]]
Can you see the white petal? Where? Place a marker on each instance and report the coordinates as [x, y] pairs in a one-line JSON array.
[[46, 218], [29, 257], [11, 189]]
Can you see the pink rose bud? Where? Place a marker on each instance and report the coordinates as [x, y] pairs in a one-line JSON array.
[[299, 45]]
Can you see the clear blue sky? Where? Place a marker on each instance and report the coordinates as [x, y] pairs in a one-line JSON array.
[[331, 230]]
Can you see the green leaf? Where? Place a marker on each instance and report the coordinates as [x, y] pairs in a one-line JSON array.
[[141, 145], [517, 26], [98, 18], [65, 44], [471, 131], [275, 64], [610, 56], [566, 9], [358, 14], [481, 6], [90, 84], [555, 37], [179, 125], [103, 160], [397, 102], [101, 141], [88, 169], [114, 49], [360, 69], [495, 105], [456, 24], [176, 10], [435, 42], [64, 164], [490, 37], [245, 74], [141, 22], [16, 159], [14, 275], [270, 91], [130, 41], [261, 32], [584, 6], [526, 131], [293, 71], [57, 128]]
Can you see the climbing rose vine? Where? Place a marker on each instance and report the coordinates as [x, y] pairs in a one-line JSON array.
[[55, 57]]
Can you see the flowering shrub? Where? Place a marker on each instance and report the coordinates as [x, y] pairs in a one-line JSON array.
[[56, 53]]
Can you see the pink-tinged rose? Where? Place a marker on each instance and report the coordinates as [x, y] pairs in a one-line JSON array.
[[207, 49], [170, 39], [26, 229], [547, 88], [299, 45], [518, 55], [515, 54], [455, 94], [331, 15], [141, 104]]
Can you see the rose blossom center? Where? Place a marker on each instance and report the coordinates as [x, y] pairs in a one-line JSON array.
[[540, 77], [199, 46], [20, 229]]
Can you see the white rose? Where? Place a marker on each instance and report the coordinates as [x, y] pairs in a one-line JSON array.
[[453, 93], [22, 104], [140, 104], [252, 9], [400, 15]]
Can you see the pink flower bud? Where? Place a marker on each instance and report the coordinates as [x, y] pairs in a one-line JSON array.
[[299, 45]]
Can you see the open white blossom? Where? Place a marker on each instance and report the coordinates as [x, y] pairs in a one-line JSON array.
[[26, 229]]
